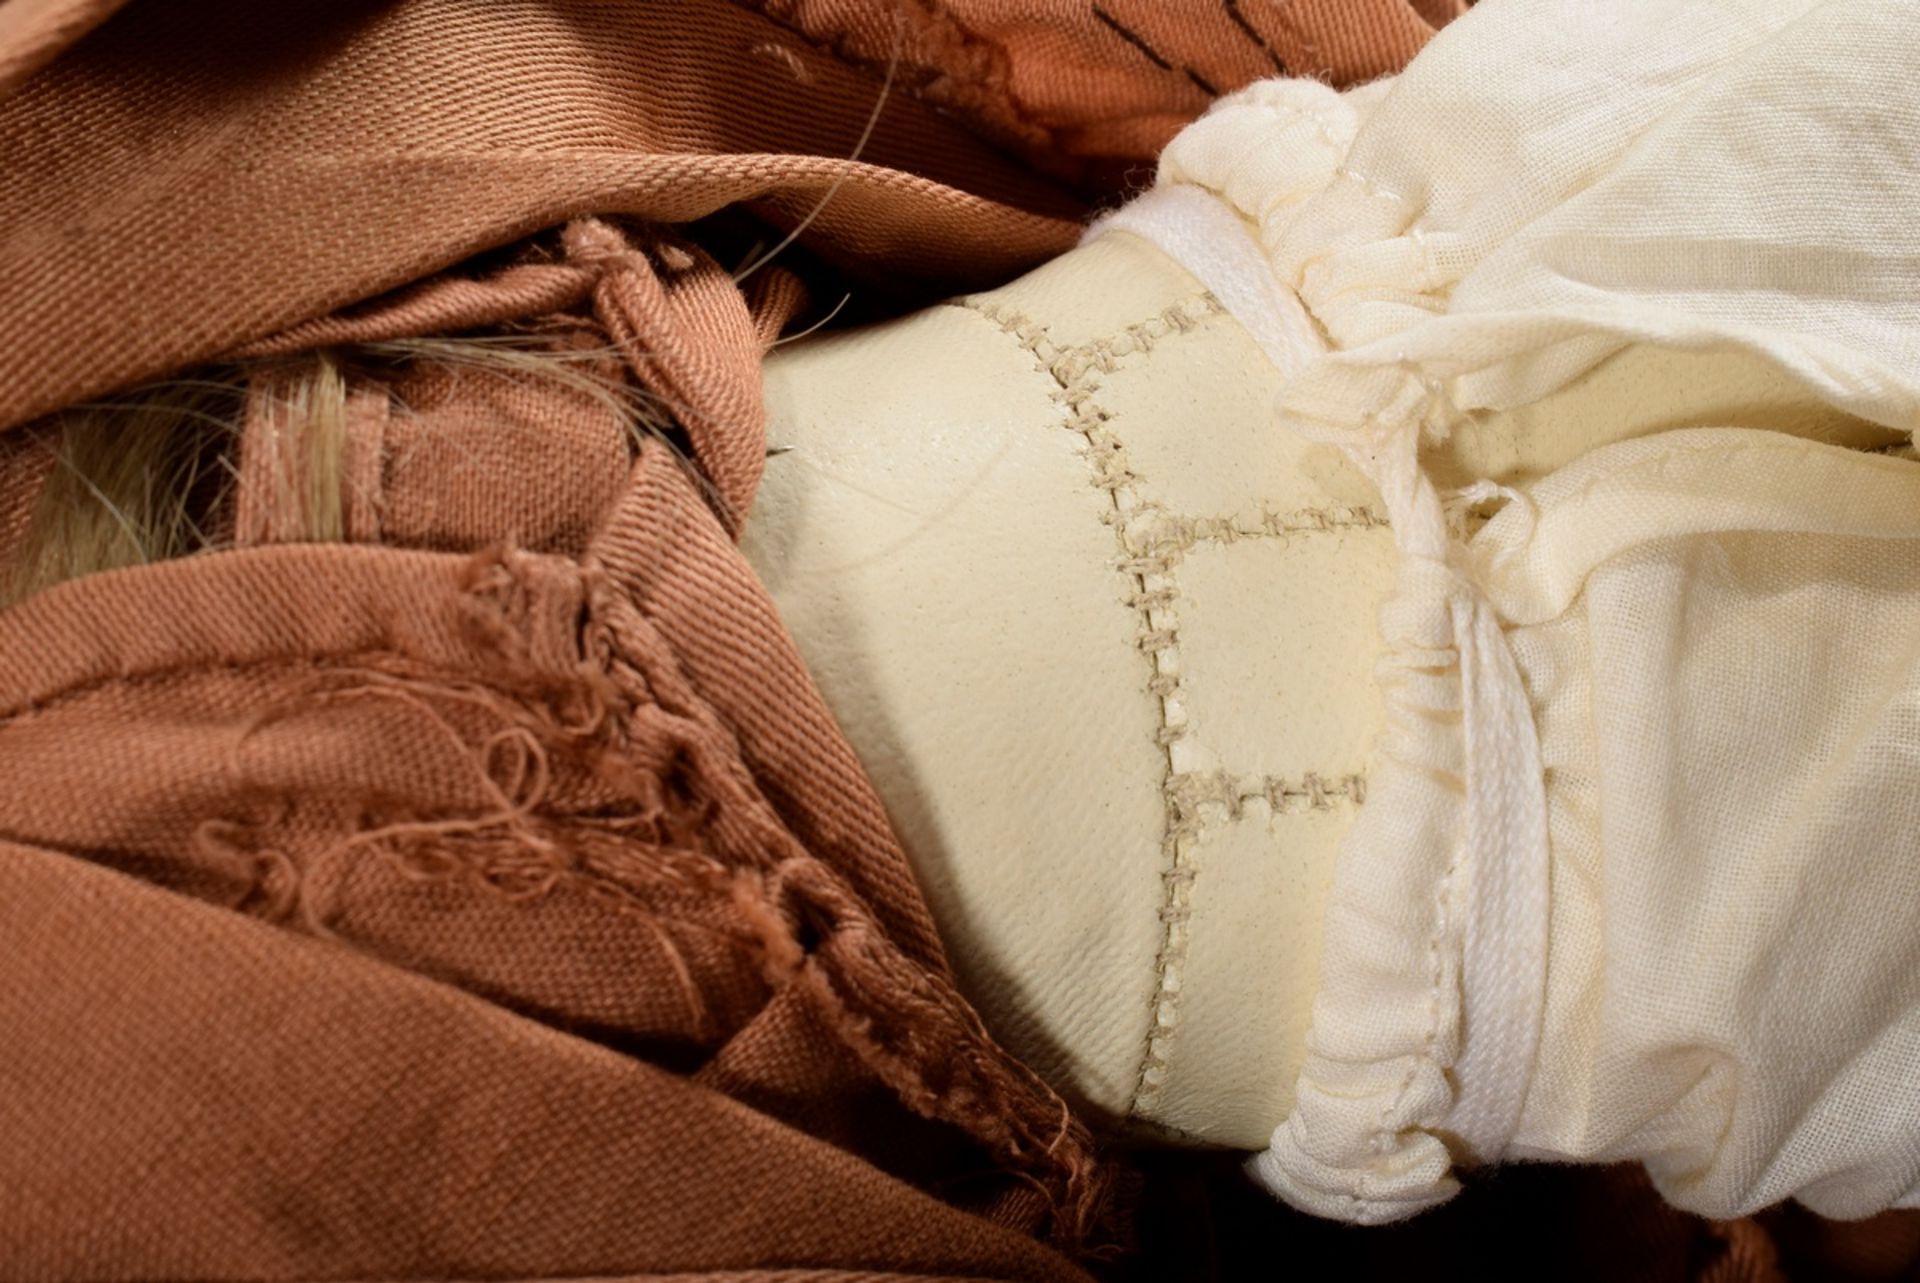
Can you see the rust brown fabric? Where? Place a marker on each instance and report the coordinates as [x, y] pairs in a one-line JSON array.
[[317, 154], [25, 462], [1087, 90], [33, 32], [381, 901]]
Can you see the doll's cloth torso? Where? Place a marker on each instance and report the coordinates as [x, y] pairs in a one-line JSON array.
[[1675, 931]]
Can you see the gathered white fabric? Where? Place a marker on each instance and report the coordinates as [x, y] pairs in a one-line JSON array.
[[1639, 870]]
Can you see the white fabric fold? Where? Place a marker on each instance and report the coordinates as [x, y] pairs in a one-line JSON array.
[[1205, 236], [1549, 183]]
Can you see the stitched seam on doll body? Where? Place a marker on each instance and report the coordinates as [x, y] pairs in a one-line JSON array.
[[1158, 539], [1189, 791], [1075, 370], [1153, 541]]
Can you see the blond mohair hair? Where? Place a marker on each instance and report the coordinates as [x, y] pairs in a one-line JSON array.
[[135, 477]]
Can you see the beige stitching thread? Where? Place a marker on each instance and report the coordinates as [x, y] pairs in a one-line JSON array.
[[1075, 370], [1157, 539], [1152, 541], [1190, 791]]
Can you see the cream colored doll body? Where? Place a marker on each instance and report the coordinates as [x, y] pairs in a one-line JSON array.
[[1269, 800]]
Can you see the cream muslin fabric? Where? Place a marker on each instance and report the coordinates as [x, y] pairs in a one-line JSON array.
[[1636, 877]]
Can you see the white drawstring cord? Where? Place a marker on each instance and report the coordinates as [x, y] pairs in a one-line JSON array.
[[1503, 967]]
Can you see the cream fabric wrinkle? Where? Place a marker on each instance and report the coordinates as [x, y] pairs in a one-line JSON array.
[[1634, 879]]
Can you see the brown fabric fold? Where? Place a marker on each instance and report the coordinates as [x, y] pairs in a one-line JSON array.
[[1089, 90], [382, 1125], [688, 337], [318, 154], [535, 859], [34, 32]]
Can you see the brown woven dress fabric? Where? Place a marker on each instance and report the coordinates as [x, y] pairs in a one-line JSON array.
[[489, 894], [1090, 89], [316, 154], [516, 910]]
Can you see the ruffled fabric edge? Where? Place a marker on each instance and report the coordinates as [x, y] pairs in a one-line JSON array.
[[1432, 972], [1426, 1026]]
